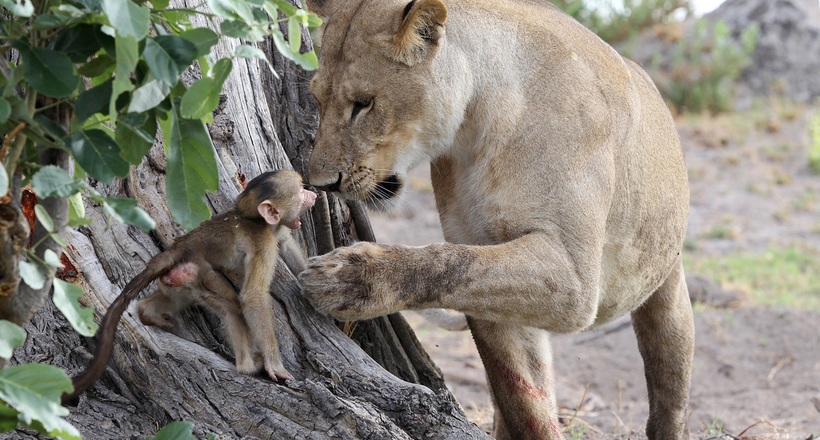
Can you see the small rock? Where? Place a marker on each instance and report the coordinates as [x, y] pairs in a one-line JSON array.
[[705, 291]]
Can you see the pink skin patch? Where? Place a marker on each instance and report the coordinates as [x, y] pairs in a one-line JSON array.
[[181, 274]]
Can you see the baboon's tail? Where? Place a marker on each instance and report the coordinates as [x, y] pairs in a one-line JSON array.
[[158, 265]]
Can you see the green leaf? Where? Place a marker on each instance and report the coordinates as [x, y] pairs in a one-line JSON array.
[[50, 21], [32, 275], [307, 61], [201, 99], [294, 35], [148, 96], [167, 56], [260, 18], [66, 296], [175, 431], [247, 51], [127, 52], [135, 135], [182, 51], [129, 19], [49, 72], [313, 21], [96, 66], [70, 10], [44, 218], [14, 28], [126, 211], [222, 69], [286, 7], [76, 212], [203, 96], [162, 66], [107, 39], [50, 126], [235, 28], [232, 9], [34, 390], [240, 29], [51, 258], [91, 5], [78, 42], [191, 169], [17, 76], [8, 417], [20, 8], [5, 111], [13, 337], [203, 39], [52, 181], [98, 154], [94, 100]]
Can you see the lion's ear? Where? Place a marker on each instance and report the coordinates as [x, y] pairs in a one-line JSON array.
[[422, 26]]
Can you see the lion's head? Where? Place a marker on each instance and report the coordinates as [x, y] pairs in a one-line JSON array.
[[382, 104]]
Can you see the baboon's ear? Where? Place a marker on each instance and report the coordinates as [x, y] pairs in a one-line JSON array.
[[269, 212], [422, 27], [322, 8]]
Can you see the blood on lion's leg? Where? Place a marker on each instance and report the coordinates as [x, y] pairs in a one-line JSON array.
[[518, 361]]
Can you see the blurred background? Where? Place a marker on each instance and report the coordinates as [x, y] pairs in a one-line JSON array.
[[742, 79]]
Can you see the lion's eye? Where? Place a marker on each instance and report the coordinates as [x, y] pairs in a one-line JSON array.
[[359, 105]]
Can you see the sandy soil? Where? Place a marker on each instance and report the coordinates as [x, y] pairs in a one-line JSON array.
[[756, 371]]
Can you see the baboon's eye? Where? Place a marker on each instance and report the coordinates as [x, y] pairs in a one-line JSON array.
[[360, 104]]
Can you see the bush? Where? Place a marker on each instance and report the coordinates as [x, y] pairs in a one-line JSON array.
[[703, 68], [616, 25]]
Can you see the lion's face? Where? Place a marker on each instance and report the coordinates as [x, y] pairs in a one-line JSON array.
[[376, 97]]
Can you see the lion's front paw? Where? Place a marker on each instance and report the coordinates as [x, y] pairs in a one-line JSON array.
[[350, 283]]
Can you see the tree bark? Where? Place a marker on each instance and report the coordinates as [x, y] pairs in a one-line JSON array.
[[156, 376]]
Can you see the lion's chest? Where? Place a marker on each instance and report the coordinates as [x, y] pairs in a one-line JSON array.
[[473, 210]]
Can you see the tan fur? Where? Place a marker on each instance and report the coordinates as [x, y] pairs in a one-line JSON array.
[[559, 180]]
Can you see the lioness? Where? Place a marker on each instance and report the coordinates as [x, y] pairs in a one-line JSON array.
[[558, 175]]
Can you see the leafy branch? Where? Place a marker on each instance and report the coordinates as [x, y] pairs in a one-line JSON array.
[[100, 80]]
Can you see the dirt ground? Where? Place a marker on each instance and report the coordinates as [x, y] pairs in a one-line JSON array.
[[756, 370]]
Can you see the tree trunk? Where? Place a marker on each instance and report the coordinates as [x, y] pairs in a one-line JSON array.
[[157, 376]]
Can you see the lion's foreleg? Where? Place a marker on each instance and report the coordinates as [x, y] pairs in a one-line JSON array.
[[666, 339], [528, 281], [518, 361]]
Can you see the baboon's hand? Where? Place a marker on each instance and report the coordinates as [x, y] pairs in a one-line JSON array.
[[277, 371], [356, 282]]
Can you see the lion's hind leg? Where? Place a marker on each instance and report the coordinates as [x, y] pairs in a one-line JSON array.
[[666, 338], [518, 361]]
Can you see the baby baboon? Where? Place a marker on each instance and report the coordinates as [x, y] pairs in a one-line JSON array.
[[244, 241]]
